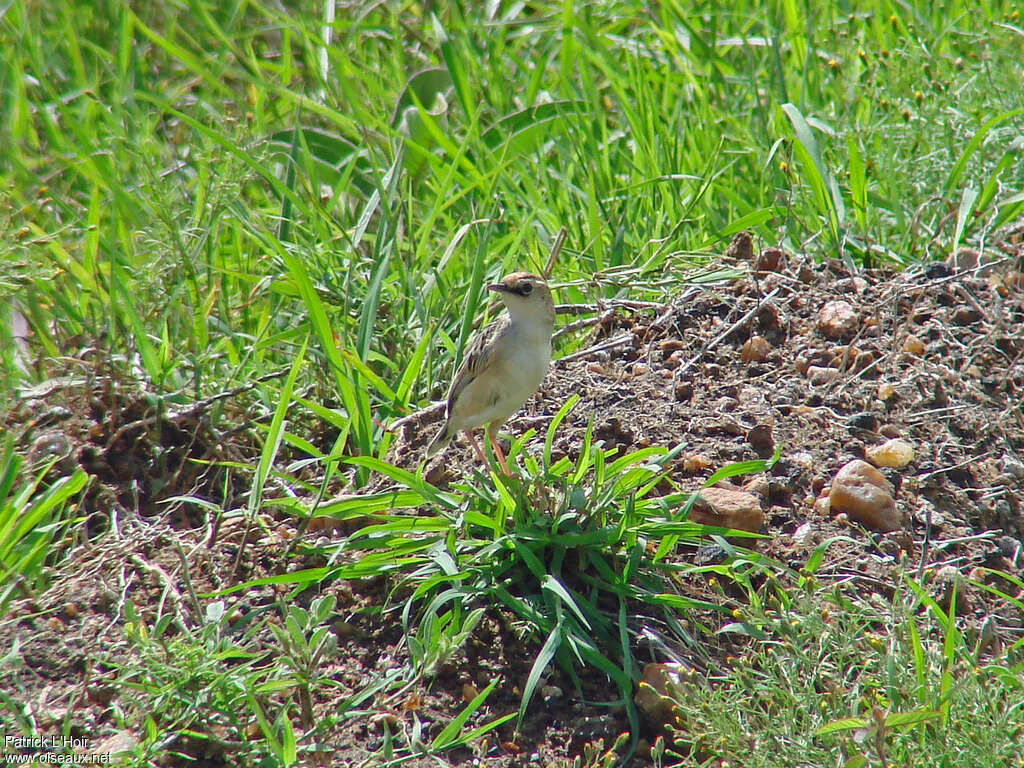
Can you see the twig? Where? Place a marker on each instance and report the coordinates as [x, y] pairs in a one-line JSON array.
[[556, 248], [169, 589], [969, 460], [618, 341], [738, 324], [585, 322], [603, 305], [417, 415], [193, 410]]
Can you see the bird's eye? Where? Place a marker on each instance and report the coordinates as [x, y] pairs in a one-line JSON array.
[[526, 289]]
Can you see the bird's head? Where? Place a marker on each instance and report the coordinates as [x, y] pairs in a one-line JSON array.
[[526, 296]]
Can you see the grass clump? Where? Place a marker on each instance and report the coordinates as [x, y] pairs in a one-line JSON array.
[[880, 681], [572, 553]]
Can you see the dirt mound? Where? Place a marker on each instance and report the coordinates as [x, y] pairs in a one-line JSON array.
[[817, 361], [823, 363]]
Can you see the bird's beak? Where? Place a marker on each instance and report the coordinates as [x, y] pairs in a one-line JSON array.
[[498, 287]]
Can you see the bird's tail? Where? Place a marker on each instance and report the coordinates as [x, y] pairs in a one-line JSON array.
[[441, 439]]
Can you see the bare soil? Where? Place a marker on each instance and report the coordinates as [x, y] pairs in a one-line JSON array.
[[657, 375]]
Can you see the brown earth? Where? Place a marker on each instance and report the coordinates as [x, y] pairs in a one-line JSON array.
[[733, 371]]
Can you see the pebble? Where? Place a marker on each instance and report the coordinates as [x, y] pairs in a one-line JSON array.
[[696, 462], [837, 319], [913, 347], [654, 693], [801, 534], [758, 485], [550, 692], [863, 493], [863, 420], [895, 453], [1012, 466], [755, 349], [728, 509], [820, 376], [886, 391], [966, 315], [761, 440], [770, 260]]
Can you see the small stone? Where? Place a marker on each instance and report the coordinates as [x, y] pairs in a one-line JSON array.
[[1012, 466], [856, 284], [343, 629], [386, 720], [758, 485], [801, 536], [820, 376], [761, 440], [964, 259], [770, 260], [886, 391], [755, 349], [913, 346], [863, 420], [966, 315], [727, 508], [49, 446], [770, 318], [117, 743], [654, 695], [551, 692], [937, 270], [695, 462], [864, 360], [895, 453], [684, 391], [741, 248], [863, 493], [837, 319]]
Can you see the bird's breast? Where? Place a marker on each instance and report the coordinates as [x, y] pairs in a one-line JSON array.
[[526, 366]]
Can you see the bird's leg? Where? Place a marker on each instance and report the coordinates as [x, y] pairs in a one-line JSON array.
[[492, 434], [476, 447]]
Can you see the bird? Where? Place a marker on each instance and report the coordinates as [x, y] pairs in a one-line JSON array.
[[504, 364]]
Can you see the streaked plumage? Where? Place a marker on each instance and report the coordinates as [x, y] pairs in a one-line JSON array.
[[504, 364]]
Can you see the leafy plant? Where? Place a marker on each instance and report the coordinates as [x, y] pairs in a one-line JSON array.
[[307, 642], [570, 551], [187, 685]]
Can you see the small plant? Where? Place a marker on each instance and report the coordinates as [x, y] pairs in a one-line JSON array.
[[307, 643], [188, 687], [453, 736], [32, 524]]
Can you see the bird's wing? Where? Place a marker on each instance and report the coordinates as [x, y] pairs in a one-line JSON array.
[[478, 356]]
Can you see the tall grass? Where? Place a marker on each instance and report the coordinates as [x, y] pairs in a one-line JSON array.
[[200, 184]]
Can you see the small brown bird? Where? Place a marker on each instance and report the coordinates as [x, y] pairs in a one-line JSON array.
[[505, 364]]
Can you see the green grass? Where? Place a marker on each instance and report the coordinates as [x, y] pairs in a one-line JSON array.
[[204, 185], [878, 682], [200, 197]]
